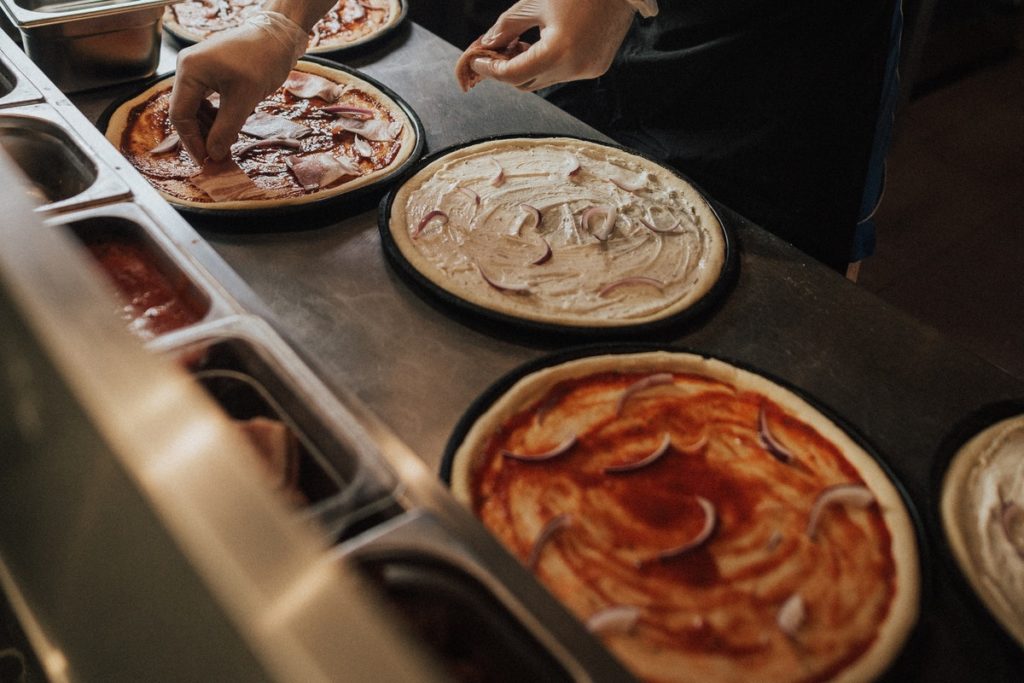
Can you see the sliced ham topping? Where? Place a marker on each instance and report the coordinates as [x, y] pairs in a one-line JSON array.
[[464, 73], [246, 148], [225, 181], [308, 86], [168, 144], [263, 125], [320, 170], [377, 130]]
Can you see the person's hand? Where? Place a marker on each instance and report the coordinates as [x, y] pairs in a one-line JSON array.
[[578, 39], [244, 65]]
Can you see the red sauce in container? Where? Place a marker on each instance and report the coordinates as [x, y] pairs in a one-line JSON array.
[[151, 304]]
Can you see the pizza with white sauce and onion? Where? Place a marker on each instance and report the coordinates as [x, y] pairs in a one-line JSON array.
[[559, 231]]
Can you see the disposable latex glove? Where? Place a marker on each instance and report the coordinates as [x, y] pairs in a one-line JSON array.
[[244, 65], [578, 39]]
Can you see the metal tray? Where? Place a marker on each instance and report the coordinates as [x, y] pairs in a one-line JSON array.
[[65, 173]]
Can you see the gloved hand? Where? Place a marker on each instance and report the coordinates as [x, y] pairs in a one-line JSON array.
[[578, 39], [244, 65]]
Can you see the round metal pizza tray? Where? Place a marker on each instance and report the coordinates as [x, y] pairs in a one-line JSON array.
[[348, 50], [312, 212], [962, 432], [906, 661], [507, 326]]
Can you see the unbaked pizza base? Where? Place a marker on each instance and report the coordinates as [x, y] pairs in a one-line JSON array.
[[902, 616], [395, 17], [985, 470], [643, 305], [408, 146]]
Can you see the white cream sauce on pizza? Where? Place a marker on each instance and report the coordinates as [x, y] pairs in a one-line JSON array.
[[560, 230], [983, 507]]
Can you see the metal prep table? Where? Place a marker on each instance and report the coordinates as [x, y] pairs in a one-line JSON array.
[[329, 292]]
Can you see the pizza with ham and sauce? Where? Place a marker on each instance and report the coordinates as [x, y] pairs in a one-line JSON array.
[[558, 231], [704, 522], [347, 24], [323, 133]]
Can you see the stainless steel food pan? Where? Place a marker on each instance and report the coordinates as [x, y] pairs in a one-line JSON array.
[[15, 89], [64, 173], [475, 623], [132, 250], [88, 44], [246, 368]]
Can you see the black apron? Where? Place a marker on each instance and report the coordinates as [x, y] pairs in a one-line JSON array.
[[768, 106]]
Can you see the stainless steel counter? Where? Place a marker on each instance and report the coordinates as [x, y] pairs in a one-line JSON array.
[[329, 291]]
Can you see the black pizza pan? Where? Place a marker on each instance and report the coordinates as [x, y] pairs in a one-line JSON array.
[[350, 50], [963, 431], [533, 332], [308, 214], [906, 662]]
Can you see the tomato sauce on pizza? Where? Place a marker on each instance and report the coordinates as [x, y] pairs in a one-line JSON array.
[[701, 528], [347, 23], [315, 136]]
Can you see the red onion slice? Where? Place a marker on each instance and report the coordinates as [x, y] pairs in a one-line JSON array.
[[534, 212], [710, 520], [662, 449], [499, 176], [168, 144], [471, 194], [357, 113], [289, 143], [560, 449], [545, 257], [791, 615], [631, 281], [518, 288], [614, 619], [653, 228], [654, 380], [573, 167], [856, 495], [1011, 519], [768, 440], [633, 185], [595, 213], [431, 215], [773, 541], [546, 534]]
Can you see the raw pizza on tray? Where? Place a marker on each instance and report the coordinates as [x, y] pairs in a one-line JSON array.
[[704, 522], [325, 132], [559, 231], [347, 24]]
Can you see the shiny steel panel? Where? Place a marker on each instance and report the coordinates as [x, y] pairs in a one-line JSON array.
[[62, 168]]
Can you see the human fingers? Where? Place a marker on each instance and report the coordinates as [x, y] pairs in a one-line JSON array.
[[235, 108], [530, 65], [186, 97], [513, 22]]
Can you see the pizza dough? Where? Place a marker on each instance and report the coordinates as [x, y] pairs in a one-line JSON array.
[[983, 516], [348, 24], [706, 523], [559, 231], [297, 148]]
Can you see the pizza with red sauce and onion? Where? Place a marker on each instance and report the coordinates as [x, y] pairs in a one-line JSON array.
[[704, 522]]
